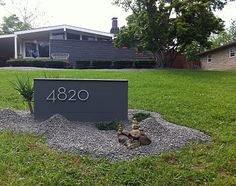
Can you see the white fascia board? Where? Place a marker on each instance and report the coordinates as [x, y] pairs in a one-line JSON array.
[[89, 31], [64, 27], [40, 29], [7, 36]]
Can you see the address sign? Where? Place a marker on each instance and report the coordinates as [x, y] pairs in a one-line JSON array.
[[82, 100]]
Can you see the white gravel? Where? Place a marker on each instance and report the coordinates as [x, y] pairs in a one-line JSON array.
[[86, 139]]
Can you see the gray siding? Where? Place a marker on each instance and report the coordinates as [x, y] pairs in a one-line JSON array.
[[94, 51]]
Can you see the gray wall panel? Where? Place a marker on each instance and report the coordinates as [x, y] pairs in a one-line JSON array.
[[108, 99], [95, 51]]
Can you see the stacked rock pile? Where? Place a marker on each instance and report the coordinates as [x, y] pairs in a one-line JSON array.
[[133, 139]]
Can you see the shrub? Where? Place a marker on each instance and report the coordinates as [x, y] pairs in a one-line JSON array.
[[25, 88], [37, 63], [144, 64], [83, 64], [108, 125], [140, 116], [122, 64], [101, 64]]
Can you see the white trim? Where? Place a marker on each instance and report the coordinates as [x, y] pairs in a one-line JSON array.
[[65, 33], [63, 27], [7, 36], [15, 47], [209, 58], [233, 51]]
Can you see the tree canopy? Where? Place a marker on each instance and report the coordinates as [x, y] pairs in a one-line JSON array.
[[227, 36], [12, 24], [168, 27], [24, 15]]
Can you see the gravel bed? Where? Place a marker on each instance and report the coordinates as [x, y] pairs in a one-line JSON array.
[[86, 139]]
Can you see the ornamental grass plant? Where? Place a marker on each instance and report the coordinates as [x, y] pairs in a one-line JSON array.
[[24, 86]]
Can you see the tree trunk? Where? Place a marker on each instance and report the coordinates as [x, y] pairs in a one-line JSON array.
[[30, 107], [165, 58]]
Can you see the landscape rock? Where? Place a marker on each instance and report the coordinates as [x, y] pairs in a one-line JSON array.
[[134, 144], [123, 139], [86, 139], [144, 140]]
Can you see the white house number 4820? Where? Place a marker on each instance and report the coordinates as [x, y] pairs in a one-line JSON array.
[[61, 94]]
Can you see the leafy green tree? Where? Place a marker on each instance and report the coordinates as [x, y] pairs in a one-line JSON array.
[[191, 52], [227, 36], [12, 23], [168, 27]]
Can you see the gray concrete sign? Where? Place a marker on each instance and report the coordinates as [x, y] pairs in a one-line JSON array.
[[81, 100]]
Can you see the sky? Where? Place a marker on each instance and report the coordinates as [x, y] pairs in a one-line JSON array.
[[92, 14]]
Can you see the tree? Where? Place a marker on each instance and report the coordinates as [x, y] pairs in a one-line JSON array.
[[29, 15], [28, 12], [1, 2], [12, 24], [168, 27], [227, 36]]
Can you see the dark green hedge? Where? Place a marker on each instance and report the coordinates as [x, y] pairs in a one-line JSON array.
[[144, 64], [122, 64], [101, 64], [37, 63], [114, 64], [83, 64]]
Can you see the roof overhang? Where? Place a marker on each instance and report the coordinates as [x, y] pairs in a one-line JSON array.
[[64, 28], [228, 45], [7, 36]]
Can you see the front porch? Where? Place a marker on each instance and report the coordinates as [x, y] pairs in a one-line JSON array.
[[35, 43]]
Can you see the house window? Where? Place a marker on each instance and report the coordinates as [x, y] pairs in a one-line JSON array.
[[57, 36], [73, 36], [43, 48], [209, 59], [103, 39], [231, 52], [37, 49], [30, 49], [88, 38]]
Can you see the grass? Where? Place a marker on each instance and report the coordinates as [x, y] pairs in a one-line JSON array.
[[202, 100]]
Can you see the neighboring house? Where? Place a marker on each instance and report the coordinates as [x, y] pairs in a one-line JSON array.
[[221, 58], [74, 43]]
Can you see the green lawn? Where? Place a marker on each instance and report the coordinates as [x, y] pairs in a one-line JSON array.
[[198, 99]]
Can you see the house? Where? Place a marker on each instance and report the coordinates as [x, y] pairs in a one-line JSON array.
[[221, 58], [64, 41]]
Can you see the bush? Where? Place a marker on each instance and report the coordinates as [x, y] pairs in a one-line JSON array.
[[108, 125], [82, 64], [37, 63], [122, 64], [144, 64], [25, 87], [140, 116], [101, 64]]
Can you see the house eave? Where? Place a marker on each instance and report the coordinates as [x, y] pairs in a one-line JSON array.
[[7, 36], [64, 27], [218, 48]]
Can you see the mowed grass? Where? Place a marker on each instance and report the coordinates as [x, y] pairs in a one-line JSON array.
[[202, 100]]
